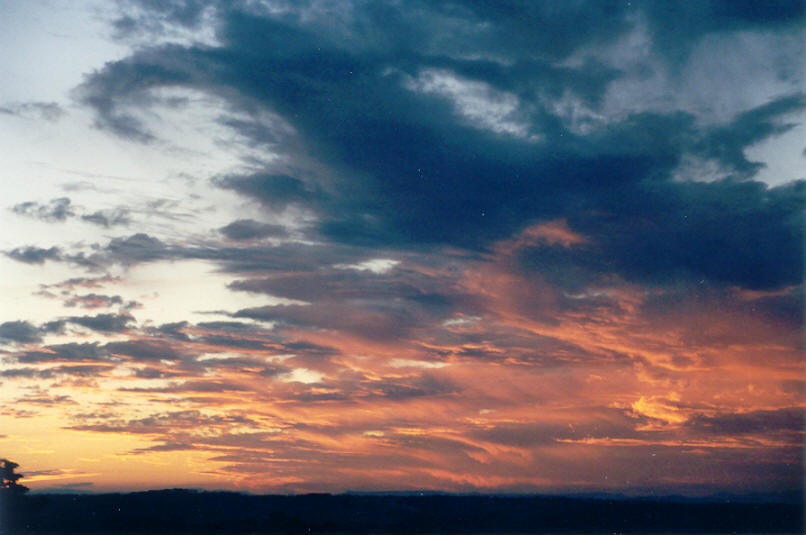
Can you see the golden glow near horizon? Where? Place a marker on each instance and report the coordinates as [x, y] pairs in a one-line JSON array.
[[516, 398]]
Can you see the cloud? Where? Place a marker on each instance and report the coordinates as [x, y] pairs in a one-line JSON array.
[[275, 191], [93, 301], [62, 209], [46, 400], [408, 170], [726, 232], [109, 218], [336, 284], [165, 446], [49, 111], [249, 229], [788, 419], [19, 331], [726, 144], [217, 387], [83, 282], [34, 255], [57, 210], [107, 323], [26, 373], [70, 352], [136, 248], [103, 322], [426, 385], [374, 324], [177, 420], [678, 30], [146, 350]]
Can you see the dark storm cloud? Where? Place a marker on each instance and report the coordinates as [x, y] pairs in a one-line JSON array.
[[249, 229], [419, 159], [409, 166], [726, 232], [19, 331], [57, 210]]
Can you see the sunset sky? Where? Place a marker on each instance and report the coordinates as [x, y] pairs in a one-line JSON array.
[[294, 246]]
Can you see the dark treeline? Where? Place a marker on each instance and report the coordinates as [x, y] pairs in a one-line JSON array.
[[187, 511]]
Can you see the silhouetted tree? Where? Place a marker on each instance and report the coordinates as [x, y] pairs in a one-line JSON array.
[[10, 478], [12, 503]]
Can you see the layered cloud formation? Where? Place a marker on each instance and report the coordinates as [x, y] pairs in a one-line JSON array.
[[379, 246]]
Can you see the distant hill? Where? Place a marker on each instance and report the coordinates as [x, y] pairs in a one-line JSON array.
[[187, 511]]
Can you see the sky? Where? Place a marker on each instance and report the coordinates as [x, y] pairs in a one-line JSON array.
[[467, 246]]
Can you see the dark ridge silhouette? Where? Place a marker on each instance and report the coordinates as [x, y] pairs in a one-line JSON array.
[[178, 511]]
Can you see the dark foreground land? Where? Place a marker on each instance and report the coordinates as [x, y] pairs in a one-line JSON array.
[[185, 511]]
